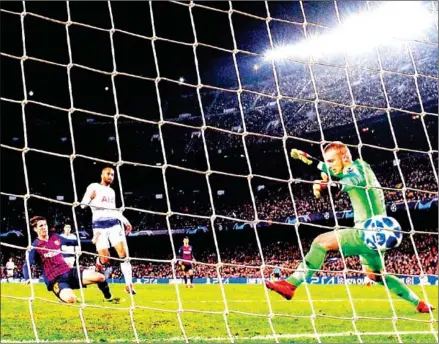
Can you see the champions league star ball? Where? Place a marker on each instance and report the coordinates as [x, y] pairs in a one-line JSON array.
[[382, 233]]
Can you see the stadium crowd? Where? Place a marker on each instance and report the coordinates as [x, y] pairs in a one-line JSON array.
[[245, 260], [272, 203]]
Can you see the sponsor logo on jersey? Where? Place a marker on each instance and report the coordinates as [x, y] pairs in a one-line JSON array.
[[50, 254]]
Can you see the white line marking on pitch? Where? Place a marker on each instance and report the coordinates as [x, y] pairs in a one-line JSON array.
[[281, 336], [280, 301]]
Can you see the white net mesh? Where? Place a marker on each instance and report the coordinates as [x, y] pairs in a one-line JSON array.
[[336, 91]]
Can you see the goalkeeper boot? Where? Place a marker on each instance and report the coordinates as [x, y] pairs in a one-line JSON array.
[[283, 288], [424, 307], [130, 290]]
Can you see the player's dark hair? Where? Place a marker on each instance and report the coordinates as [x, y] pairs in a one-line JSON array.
[[107, 168], [35, 219]]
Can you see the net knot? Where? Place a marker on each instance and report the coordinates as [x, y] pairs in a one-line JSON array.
[[26, 196], [208, 173], [270, 315], [118, 164], [180, 310], [68, 23]]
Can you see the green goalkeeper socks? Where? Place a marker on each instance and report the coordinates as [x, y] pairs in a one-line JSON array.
[[314, 260], [398, 287]]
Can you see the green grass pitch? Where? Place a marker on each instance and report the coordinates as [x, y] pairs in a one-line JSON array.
[[56, 322]]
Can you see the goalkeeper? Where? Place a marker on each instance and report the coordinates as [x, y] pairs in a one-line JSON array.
[[353, 177]]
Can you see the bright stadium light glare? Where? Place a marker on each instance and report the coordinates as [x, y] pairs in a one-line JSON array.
[[361, 32]]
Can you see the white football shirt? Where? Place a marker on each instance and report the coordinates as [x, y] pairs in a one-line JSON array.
[[103, 206]]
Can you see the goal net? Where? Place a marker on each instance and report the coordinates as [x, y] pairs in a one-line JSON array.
[[197, 106]]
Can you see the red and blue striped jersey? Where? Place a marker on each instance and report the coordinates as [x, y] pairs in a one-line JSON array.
[[53, 262]]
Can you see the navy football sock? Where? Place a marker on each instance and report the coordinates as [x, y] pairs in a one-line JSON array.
[[105, 289]]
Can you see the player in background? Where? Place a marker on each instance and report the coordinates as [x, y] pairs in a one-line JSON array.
[[58, 276], [10, 267], [186, 252], [275, 276], [353, 177], [69, 255], [107, 224]]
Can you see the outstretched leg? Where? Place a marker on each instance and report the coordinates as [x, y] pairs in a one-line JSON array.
[[373, 268], [313, 261], [92, 277]]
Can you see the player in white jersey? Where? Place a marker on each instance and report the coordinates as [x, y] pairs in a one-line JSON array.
[[10, 267], [107, 225], [69, 251]]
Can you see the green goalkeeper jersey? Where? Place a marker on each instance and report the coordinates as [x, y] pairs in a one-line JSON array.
[[353, 178]]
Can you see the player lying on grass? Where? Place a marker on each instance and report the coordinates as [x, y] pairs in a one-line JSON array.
[[58, 276], [353, 177]]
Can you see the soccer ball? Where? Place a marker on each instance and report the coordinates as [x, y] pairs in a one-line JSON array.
[[381, 233]]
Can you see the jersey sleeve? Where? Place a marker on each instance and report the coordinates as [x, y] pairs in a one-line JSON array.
[[180, 252], [86, 199], [355, 177], [32, 256], [120, 217], [68, 242]]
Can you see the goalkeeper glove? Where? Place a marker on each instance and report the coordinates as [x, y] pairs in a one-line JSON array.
[[321, 185], [300, 155]]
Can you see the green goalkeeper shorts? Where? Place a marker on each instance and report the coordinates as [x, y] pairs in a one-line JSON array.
[[352, 244]]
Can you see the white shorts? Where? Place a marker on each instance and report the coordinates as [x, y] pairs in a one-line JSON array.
[[10, 273], [109, 236], [70, 261]]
